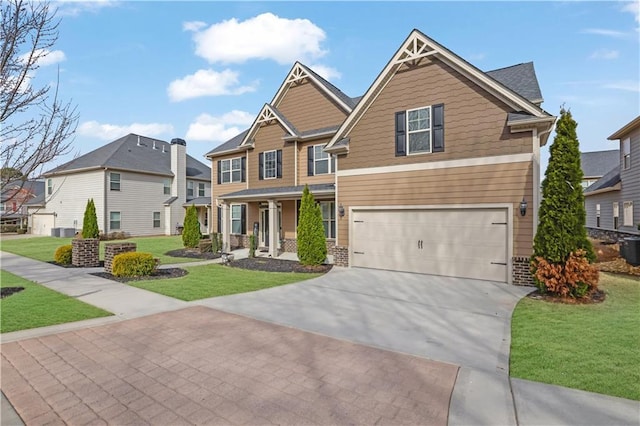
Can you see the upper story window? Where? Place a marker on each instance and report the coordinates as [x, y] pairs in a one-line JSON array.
[[270, 164], [626, 153], [189, 188], [114, 181], [49, 186], [319, 162], [231, 170], [167, 186], [200, 189], [420, 130]]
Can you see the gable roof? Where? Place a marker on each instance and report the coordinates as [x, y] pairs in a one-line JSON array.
[[520, 78], [133, 153], [228, 146], [598, 163], [626, 129], [351, 102], [418, 46], [267, 114], [609, 182]]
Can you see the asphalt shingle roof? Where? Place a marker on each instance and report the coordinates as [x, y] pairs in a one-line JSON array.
[[126, 154], [199, 201], [521, 79], [349, 101], [609, 180], [598, 163]]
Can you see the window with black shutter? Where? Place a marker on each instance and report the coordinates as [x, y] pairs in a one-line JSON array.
[[419, 130]]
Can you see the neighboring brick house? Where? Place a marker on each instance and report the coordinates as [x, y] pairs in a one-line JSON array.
[[613, 202], [15, 196], [140, 186], [427, 172], [597, 164]]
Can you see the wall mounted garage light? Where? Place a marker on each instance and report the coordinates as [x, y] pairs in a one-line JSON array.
[[341, 210], [523, 207]]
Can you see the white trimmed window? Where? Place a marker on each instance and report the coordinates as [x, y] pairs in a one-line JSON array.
[[597, 215], [627, 211], [156, 219], [328, 218], [419, 130], [49, 186], [321, 161], [200, 189], [616, 214], [167, 186], [114, 220], [190, 189], [270, 164], [236, 219], [626, 154], [114, 181], [231, 170]]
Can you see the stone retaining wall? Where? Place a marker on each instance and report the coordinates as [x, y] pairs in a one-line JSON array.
[[112, 250]]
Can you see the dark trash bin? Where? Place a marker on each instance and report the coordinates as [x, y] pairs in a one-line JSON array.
[[630, 250]]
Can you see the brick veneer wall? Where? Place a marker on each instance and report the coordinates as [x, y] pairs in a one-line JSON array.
[[85, 252], [239, 241], [522, 271], [112, 250], [341, 256]]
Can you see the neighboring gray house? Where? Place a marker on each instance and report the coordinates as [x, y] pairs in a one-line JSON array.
[[613, 202], [139, 185], [597, 164]]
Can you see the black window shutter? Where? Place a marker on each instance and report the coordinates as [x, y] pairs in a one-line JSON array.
[[243, 169], [261, 166], [298, 204], [243, 219], [401, 134], [310, 161], [219, 219], [219, 172], [437, 127], [279, 163]]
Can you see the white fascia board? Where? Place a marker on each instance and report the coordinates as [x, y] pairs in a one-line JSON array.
[[278, 195]]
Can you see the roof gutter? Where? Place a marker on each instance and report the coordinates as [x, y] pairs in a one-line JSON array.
[[239, 148], [616, 187], [278, 195], [302, 138]]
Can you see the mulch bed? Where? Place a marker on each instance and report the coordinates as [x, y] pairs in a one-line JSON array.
[[8, 291], [277, 265], [609, 260], [598, 296], [157, 275], [192, 254]]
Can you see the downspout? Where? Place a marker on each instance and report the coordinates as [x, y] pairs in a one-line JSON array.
[[104, 202]]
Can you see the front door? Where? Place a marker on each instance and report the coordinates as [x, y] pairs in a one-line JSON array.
[[264, 228]]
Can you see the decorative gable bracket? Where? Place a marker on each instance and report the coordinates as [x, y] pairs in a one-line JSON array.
[[297, 73], [415, 49]]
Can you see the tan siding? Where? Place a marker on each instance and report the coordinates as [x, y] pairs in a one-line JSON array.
[[303, 178], [225, 188], [289, 219], [307, 108], [475, 121], [268, 138], [503, 183]]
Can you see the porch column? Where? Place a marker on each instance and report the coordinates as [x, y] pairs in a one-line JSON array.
[[226, 225], [274, 238]]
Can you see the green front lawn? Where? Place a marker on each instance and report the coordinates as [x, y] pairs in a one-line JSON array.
[[42, 248], [38, 306], [590, 347], [217, 280]]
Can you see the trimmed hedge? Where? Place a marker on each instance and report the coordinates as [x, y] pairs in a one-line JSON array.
[[63, 255], [133, 264]]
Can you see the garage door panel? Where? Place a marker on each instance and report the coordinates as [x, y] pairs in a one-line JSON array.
[[464, 243]]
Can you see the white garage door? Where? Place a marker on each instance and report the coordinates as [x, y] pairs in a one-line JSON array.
[[41, 224], [470, 243]]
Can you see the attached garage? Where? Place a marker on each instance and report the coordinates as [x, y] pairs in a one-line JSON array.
[[41, 224], [457, 242]]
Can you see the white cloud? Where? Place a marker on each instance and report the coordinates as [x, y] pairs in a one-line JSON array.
[[605, 54], [207, 83], [109, 132], [45, 57], [218, 129], [76, 7], [634, 8], [605, 32], [265, 36], [193, 26], [627, 85], [326, 72]]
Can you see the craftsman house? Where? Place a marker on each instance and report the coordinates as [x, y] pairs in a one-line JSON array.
[[140, 186], [433, 170]]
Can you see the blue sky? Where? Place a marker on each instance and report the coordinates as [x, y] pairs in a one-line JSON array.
[[202, 70]]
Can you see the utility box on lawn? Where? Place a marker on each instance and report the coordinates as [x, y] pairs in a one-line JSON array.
[[630, 250]]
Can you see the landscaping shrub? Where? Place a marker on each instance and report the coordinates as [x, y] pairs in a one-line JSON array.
[[574, 278], [63, 255], [90, 222], [215, 246], [312, 246], [9, 228], [133, 264], [252, 246], [191, 233]]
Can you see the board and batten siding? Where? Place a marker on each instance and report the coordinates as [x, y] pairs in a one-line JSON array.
[[606, 200], [474, 120], [303, 177], [70, 195], [630, 179], [268, 138], [140, 195], [308, 108], [499, 183]]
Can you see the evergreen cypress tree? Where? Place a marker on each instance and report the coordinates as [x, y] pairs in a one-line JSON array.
[[191, 234], [90, 221], [312, 246], [561, 228]]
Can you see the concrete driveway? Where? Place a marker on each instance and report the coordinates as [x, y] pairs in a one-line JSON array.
[[462, 321]]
